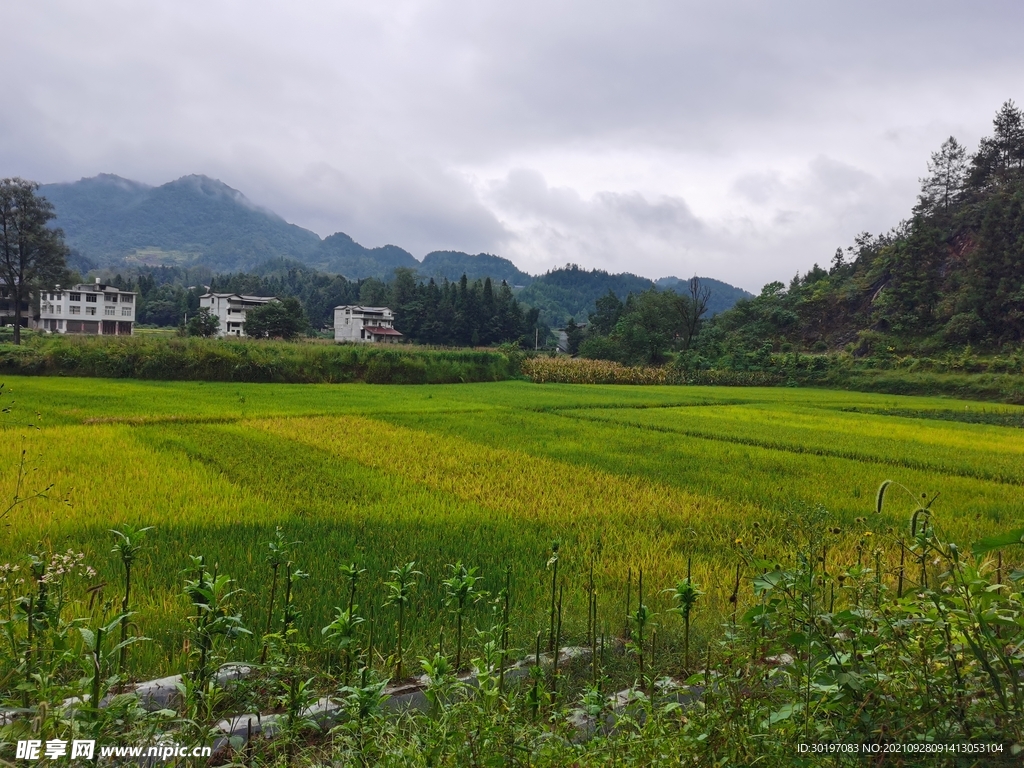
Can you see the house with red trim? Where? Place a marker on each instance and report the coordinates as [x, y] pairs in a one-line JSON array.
[[365, 325]]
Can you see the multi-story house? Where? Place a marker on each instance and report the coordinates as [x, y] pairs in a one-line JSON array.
[[88, 308], [365, 325], [230, 309]]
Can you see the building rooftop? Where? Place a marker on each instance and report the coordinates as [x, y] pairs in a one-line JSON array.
[[94, 287], [240, 296], [368, 310]]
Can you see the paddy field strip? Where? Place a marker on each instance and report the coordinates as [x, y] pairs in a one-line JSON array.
[[490, 474]]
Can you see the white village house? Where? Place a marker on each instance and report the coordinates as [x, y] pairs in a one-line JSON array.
[[230, 309], [87, 308], [365, 325]]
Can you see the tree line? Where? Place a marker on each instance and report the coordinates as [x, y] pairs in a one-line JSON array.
[[463, 313], [644, 329]]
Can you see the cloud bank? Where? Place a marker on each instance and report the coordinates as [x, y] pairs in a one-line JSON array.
[[741, 140]]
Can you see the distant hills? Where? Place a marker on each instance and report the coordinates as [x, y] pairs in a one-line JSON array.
[[454, 264], [116, 223], [194, 220], [723, 295], [572, 292]]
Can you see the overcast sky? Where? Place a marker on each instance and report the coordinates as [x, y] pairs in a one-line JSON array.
[[738, 140]]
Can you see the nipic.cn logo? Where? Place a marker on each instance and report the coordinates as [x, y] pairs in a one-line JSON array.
[[55, 748]]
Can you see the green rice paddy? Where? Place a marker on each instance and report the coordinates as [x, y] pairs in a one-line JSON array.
[[490, 474]]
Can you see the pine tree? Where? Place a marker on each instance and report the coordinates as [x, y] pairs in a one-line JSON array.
[[947, 173], [31, 253]]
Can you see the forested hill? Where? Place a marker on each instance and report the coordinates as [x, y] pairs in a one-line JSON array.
[[572, 292], [452, 265], [722, 297], [193, 220], [197, 221], [117, 224], [950, 275]]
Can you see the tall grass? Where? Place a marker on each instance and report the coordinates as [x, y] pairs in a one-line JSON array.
[[193, 359]]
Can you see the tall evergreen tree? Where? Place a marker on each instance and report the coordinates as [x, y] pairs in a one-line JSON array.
[[947, 173], [31, 253]]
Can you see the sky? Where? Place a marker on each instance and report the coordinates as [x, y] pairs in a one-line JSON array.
[[744, 141]]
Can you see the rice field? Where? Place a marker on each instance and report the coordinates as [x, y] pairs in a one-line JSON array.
[[623, 478]]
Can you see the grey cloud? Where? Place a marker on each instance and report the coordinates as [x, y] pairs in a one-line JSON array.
[[745, 139], [417, 206], [757, 188], [611, 230], [526, 192]]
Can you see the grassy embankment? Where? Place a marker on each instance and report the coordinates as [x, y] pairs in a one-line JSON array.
[[153, 357]]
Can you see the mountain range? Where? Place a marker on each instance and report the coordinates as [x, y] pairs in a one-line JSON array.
[[112, 222]]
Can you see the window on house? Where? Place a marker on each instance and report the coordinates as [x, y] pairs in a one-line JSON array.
[[126, 311], [110, 297], [90, 310], [76, 297], [109, 311], [127, 298], [58, 309], [91, 298], [75, 311]]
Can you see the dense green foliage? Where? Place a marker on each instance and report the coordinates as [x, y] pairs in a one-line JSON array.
[[282, 319], [203, 323], [645, 328], [949, 276], [202, 359], [465, 313]]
